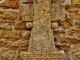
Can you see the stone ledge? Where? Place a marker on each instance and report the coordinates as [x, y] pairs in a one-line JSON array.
[[42, 56]]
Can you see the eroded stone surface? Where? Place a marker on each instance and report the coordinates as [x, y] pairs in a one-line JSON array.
[[41, 56], [42, 38]]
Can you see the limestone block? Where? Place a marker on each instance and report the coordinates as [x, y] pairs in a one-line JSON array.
[[5, 26], [2, 41], [72, 40], [75, 1], [10, 3], [75, 16], [71, 8], [3, 34], [26, 34], [66, 24], [57, 12], [20, 25], [10, 15], [15, 34], [8, 44], [8, 55], [8, 27], [63, 46], [20, 43], [26, 13], [59, 36], [76, 32]]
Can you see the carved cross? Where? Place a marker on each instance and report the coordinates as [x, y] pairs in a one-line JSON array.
[[42, 40]]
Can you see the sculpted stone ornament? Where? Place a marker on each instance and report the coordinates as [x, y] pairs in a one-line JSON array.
[[42, 46], [1, 1], [42, 35]]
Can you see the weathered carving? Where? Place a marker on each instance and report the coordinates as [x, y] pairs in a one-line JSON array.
[[41, 46], [42, 37], [42, 56]]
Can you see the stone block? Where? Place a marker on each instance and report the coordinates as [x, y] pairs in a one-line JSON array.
[[75, 1], [66, 24], [20, 43], [75, 16], [10, 4], [5, 26], [76, 32], [9, 15], [26, 34], [63, 46], [2, 42], [3, 34], [8, 55], [57, 12], [71, 8], [8, 44], [20, 25], [72, 40], [15, 34], [27, 13]]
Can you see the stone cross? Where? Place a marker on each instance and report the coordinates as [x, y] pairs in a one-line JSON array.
[[42, 40]]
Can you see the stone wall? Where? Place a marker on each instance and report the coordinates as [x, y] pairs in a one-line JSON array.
[[16, 17]]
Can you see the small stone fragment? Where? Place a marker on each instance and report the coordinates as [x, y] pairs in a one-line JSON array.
[[54, 24]]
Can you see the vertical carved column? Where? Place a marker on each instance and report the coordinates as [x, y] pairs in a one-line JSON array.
[[42, 36]]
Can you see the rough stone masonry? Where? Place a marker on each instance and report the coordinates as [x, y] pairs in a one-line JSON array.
[[16, 25]]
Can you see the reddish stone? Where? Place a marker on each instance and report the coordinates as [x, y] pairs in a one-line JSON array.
[[65, 24], [71, 32], [75, 16], [72, 40], [14, 34], [71, 8], [75, 1], [63, 46], [3, 34], [10, 4], [20, 25], [9, 15]]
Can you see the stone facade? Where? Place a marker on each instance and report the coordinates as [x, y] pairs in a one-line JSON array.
[[16, 25]]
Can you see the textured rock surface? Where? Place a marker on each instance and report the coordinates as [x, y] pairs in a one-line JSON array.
[[16, 25]]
